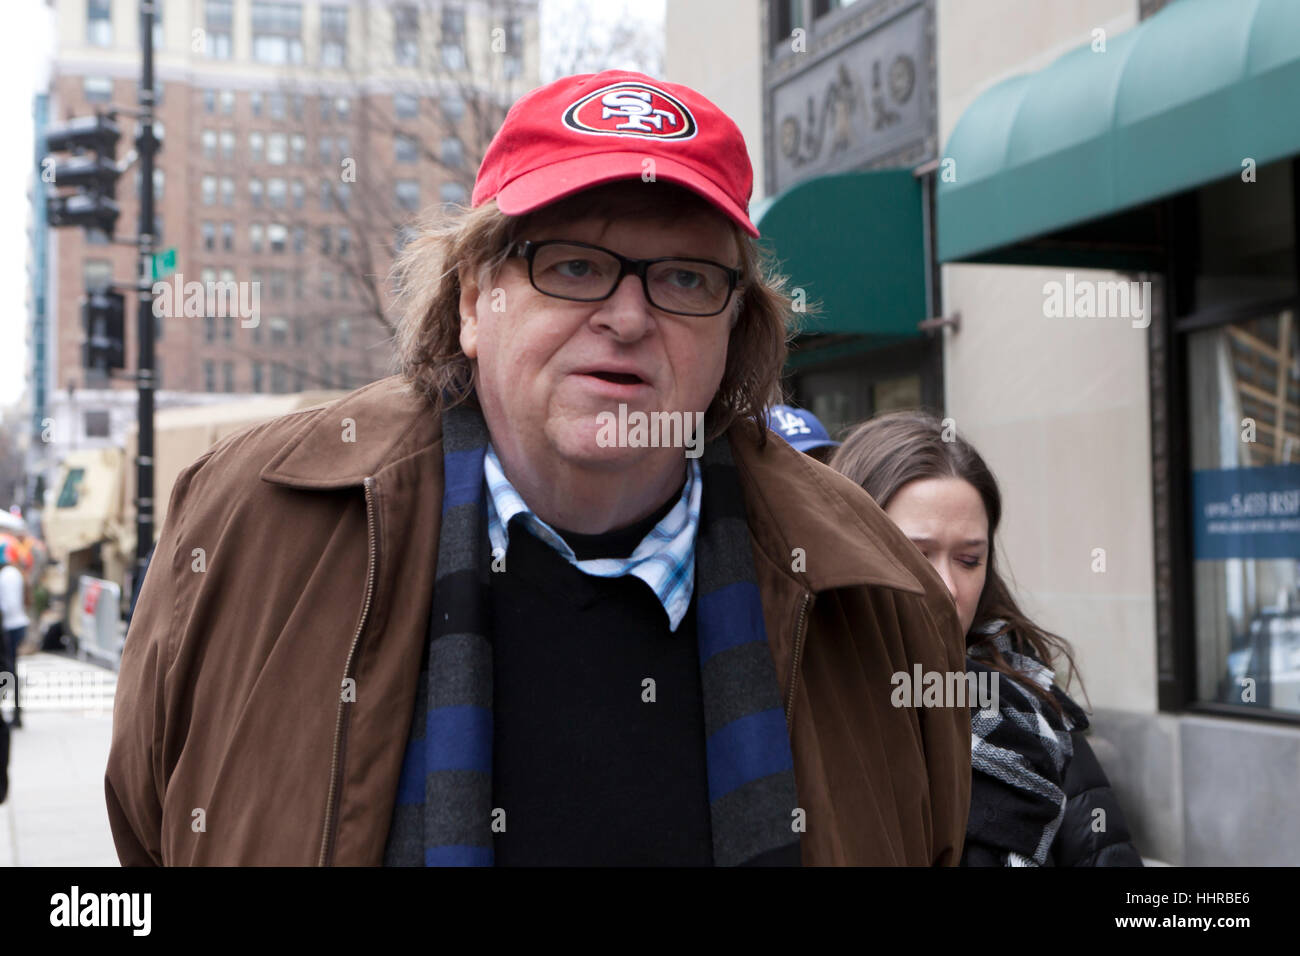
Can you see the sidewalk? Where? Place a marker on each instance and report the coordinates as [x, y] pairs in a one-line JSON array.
[[55, 813]]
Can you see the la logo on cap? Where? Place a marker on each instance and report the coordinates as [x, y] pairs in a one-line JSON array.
[[631, 109]]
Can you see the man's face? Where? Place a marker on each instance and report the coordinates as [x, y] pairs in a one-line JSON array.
[[548, 367]]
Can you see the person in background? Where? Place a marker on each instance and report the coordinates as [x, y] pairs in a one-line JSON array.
[[1036, 786], [13, 611], [802, 430]]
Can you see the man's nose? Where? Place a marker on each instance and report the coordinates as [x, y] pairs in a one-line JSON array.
[[626, 313]]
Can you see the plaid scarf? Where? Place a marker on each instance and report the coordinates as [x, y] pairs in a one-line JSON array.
[[443, 814], [1018, 758]]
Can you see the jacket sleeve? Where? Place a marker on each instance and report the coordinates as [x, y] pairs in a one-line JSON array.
[[947, 747], [1087, 791], [135, 779]]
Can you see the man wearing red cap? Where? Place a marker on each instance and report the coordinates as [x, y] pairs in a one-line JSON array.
[[498, 632]]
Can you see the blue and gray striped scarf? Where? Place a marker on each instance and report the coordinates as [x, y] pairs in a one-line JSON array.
[[444, 814]]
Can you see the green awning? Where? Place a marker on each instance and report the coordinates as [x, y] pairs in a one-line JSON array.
[[1177, 102], [853, 243]]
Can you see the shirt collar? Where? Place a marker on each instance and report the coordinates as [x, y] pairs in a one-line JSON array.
[[665, 558]]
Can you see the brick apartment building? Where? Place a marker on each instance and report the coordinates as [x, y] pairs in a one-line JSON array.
[[300, 142]]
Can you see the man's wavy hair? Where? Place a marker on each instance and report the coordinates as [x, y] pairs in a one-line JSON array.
[[427, 277]]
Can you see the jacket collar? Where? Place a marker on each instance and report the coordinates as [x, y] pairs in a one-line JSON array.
[[794, 502]]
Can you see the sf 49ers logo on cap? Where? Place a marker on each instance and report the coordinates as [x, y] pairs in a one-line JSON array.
[[631, 109]]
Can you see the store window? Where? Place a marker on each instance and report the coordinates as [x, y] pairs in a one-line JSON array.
[[1244, 423]]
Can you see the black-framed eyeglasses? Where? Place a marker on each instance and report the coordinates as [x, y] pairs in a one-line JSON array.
[[581, 272]]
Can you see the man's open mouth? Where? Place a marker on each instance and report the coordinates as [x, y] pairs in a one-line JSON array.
[[619, 378]]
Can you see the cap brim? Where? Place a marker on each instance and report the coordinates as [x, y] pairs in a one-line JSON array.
[[547, 184]]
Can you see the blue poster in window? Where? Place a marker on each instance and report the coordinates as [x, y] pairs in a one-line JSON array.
[[1246, 513]]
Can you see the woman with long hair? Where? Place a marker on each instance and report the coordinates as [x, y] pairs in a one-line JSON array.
[[1036, 785]]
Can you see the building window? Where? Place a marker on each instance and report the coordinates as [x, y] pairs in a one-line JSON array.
[[452, 192], [227, 139], [277, 147], [333, 36], [453, 38], [326, 147], [255, 103], [96, 424], [279, 378], [298, 193], [208, 190], [326, 284], [99, 22], [275, 105], [452, 152], [406, 35], [295, 105], [209, 101], [208, 142], [787, 16], [255, 232], [299, 247], [227, 191], [255, 192], [277, 235], [326, 195], [453, 108], [228, 376], [227, 328], [277, 33], [513, 64], [345, 332], [277, 283], [405, 149], [298, 145], [325, 240], [97, 89], [208, 231], [96, 274], [406, 106], [209, 329], [256, 146], [342, 108], [1244, 393], [279, 331], [227, 237], [217, 21], [276, 192], [226, 102], [407, 193], [343, 196], [344, 240]]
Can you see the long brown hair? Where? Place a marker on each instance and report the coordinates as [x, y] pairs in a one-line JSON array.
[[893, 449], [427, 275]]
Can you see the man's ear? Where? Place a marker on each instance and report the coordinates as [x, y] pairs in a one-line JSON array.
[[468, 313]]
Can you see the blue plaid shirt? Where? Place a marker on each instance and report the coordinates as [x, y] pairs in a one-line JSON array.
[[665, 558]]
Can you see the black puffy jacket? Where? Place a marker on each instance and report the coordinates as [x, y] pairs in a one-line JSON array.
[[1087, 790]]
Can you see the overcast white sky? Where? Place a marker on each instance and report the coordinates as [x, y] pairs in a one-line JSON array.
[[26, 42]]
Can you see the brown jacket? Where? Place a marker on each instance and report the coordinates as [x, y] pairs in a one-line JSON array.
[[293, 559]]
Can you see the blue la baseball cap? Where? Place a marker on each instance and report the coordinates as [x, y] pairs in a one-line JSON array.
[[799, 427]]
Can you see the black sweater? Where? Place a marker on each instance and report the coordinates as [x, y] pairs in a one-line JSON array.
[[587, 770]]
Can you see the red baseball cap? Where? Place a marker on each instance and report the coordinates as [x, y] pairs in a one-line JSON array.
[[582, 131]]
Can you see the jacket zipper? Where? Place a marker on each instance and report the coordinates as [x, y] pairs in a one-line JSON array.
[[327, 836], [800, 629]]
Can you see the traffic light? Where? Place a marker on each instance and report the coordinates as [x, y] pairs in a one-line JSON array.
[[91, 170], [103, 318]]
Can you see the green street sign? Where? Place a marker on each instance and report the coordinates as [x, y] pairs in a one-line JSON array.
[[164, 263]]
